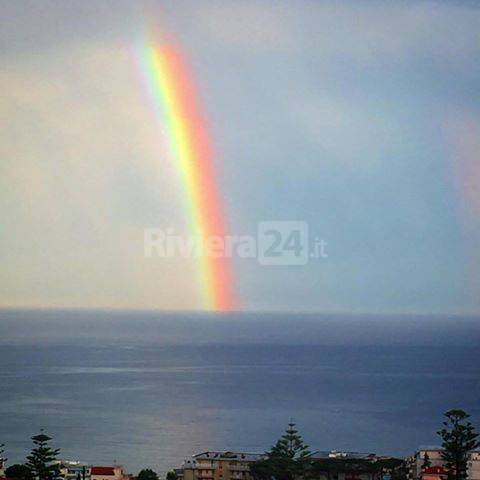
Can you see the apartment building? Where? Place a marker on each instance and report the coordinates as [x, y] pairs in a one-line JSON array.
[[115, 472], [473, 465], [339, 465], [219, 466], [72, 470], [331, 465], [436, 464], [432, 453]]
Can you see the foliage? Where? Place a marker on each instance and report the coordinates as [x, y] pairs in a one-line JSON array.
[[171, 475], [332, 467], [147, 474], [390, 463], [2, 460], [426, 461], [18, 471], [41, 461], [288, 459], [400, 471], [459, 437]]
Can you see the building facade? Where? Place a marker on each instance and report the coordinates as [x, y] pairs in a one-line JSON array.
[[331, 465], [116, 472], [70, 470], [218, 466], [473, 465], [431, 455], [427, 464], [337, 465]]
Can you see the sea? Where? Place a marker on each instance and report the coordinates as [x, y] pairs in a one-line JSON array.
[[149, 389]]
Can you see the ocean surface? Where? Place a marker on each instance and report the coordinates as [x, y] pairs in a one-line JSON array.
[[148, 389]]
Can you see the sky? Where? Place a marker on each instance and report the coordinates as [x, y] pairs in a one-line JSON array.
[[361, 119]]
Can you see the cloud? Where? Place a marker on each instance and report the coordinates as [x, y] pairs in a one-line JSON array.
[[354, 132], [83, 172], [367, 33], [266, 27], [297, 94]]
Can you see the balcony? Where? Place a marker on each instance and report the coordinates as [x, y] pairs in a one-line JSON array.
[[205, 466], [205, 473], [239, 468]]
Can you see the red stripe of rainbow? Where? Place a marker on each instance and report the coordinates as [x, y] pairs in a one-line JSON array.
[[189, 145]]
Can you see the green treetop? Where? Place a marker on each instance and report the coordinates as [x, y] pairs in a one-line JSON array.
[[171, 475], [288, 459], [147, 474], [41, 460], [18, 472], [459, 437]]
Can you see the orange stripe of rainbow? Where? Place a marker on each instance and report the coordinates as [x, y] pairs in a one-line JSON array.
[[190, 146]]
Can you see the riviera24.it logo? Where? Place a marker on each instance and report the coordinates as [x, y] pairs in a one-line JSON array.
[[275, 243]]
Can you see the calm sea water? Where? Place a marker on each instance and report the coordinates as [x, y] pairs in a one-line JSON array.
[[148, 390]]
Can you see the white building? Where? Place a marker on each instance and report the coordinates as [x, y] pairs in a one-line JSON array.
[[72, 470], [473, 465], [435, 460]]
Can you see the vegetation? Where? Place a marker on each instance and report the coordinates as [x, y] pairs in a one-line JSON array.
[[18, 471], [459, 437], [399, 471], [426, 461], [288, 459], [147, 474], [41, 461], [2, 459]]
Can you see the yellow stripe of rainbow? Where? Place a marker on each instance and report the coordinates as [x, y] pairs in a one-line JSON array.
[[189, 145]]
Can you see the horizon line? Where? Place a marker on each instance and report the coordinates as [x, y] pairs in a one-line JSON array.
[[113, 309]]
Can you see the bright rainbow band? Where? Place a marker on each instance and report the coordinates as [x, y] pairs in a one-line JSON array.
[[189, 146]]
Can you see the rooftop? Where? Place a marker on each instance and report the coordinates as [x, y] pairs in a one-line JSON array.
[[248, 457], [431, 448], [103, 471], [435, 471], [340, 454]]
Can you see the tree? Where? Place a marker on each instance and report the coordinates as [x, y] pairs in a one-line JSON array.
[[41, 461], [2, 459], [459, 437], [171, 475], [288, 459], [18, 472], [426, 461], [147, 474], [400, 471]]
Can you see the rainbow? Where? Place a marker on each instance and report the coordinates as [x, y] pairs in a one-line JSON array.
[[189, 145]]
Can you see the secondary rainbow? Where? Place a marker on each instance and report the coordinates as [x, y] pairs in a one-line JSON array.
[[189, 145]]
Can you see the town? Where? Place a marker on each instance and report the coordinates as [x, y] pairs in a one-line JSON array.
[[289, 459]]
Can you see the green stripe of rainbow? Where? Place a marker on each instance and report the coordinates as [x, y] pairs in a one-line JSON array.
[[189, 144]]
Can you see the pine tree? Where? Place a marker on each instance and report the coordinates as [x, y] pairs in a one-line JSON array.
[[41, 460], [2, 459], [288, 459], [459, 438], [426, 461], [290, 445]]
